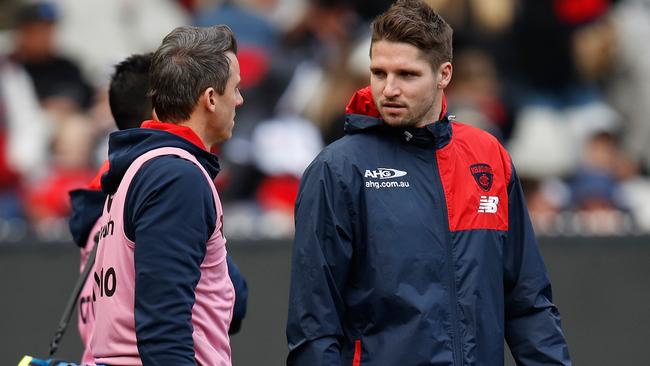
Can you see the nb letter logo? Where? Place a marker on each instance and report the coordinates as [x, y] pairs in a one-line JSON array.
[[488, 204]]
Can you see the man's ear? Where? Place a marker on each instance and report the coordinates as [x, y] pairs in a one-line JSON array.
[[209, 100], [444, 74]]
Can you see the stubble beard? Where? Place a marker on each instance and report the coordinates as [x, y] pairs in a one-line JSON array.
[[412, 118]]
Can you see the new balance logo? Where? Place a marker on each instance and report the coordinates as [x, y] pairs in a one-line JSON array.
[[488, 204]]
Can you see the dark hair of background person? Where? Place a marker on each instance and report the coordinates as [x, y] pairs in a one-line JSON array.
[[189, 60], [127, 93], [40, 11], [416, 23]]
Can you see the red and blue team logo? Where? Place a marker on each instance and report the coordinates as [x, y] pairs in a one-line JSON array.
[[483, 175]]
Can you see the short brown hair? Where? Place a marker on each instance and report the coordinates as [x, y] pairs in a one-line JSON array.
[[416, 23], [189, 60]]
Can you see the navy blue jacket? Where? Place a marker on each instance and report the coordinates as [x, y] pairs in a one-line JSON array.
[[158, 179], [414, 247]]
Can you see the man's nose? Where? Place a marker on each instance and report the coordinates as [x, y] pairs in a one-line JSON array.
[[240, 99], [391, 89]]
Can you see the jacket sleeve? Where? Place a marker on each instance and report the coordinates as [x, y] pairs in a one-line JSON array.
[[170, 215], [319, 268], [241, 296], [87, 207], [532, 321]]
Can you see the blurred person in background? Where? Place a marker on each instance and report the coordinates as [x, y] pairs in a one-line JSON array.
[[396, 263], [64, 95], [615, 56], [130, 106], [556, 96], [164, 217], [47, 203], [58, 81], [24, 137], [597, 187], [624, 38], [321, 43], [99, 34], [546, 199], [315, 52], [476, 92]]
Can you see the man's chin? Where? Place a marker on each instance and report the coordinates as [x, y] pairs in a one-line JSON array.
[[396, 121]]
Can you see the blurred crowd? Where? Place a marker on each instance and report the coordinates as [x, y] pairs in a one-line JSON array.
[[564, 84]]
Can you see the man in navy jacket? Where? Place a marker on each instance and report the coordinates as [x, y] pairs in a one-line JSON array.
[[171, 212], [130, 106], [413, 243]]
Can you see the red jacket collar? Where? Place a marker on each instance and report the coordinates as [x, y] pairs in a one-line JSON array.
[[181, 131], [362, 103]]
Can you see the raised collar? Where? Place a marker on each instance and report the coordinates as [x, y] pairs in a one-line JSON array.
[[181, 131], [362, 116], [437, 134]]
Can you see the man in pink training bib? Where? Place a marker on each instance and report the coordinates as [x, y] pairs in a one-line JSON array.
[[161, 291]]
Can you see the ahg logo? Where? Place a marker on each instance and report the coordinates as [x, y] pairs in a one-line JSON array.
[[384, 173], [488, 204]]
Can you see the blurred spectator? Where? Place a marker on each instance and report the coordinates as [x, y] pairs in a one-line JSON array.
[[99, 34], [341, 82], [323, 43], [250, 28], [283, 148], [628, 76], [542, 39], [475, 93], [546, 199], [59, 84], [24, 135], [552, 78], [597, 195], [188, 5], [71, 169], [323, 26], [596, 200], [486, 25], [559, 101]]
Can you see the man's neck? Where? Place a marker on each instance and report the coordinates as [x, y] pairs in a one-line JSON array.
[[440, 106], [198, 127], [436, 114]]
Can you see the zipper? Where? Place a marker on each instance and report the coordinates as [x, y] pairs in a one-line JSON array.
[[456, 346]]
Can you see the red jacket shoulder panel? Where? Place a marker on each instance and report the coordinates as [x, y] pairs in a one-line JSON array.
[[475, 171]]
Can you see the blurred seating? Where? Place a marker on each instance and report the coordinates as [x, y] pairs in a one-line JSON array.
[[564, 84]]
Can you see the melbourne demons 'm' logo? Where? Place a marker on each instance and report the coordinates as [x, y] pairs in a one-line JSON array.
[[482, 174]]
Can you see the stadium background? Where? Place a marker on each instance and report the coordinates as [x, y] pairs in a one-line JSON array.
[[564, 84]]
